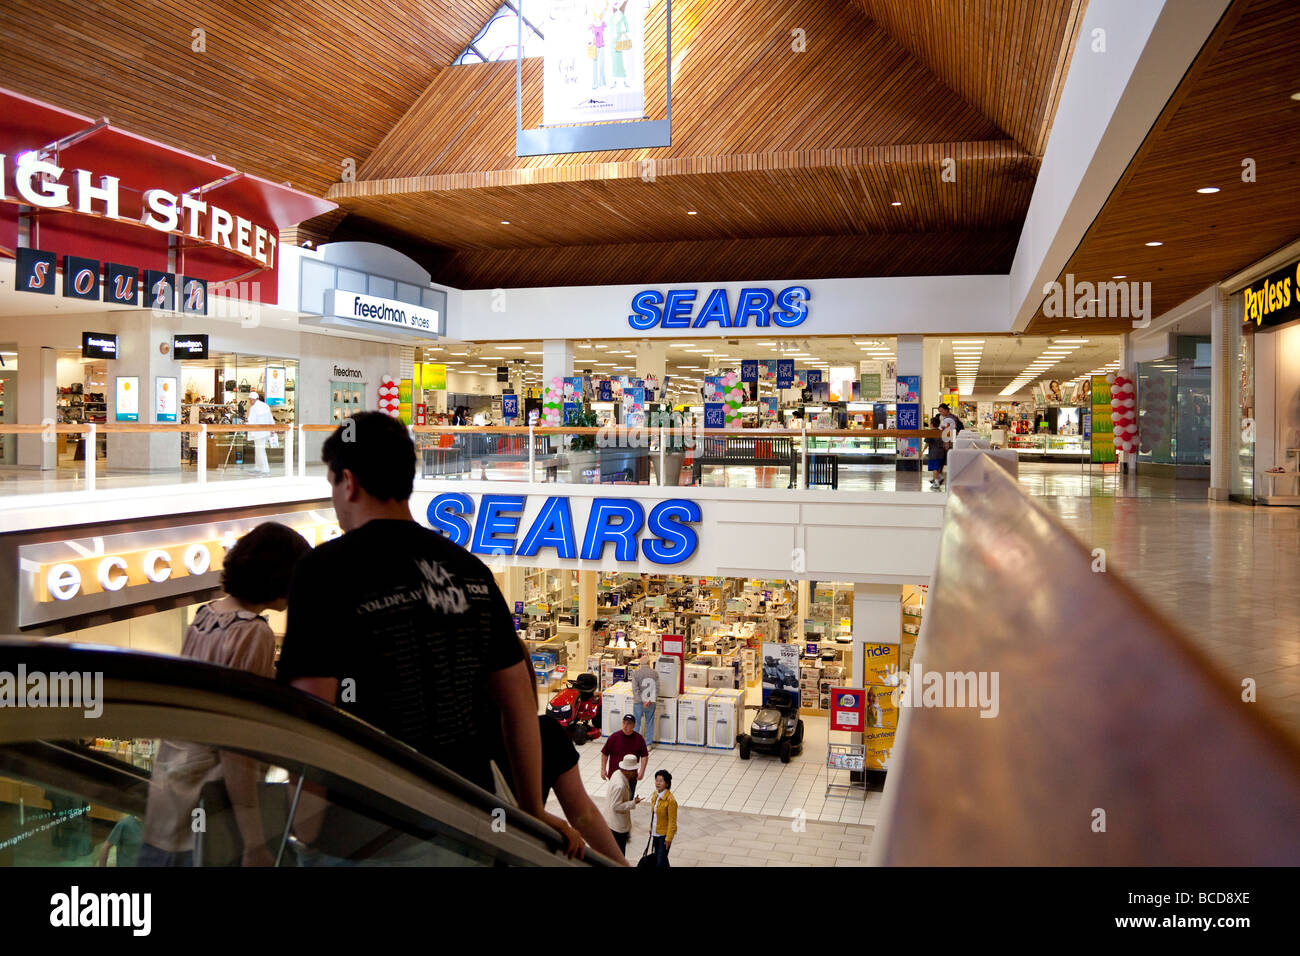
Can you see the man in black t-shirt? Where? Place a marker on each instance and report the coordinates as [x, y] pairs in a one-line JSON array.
[[396, 624]]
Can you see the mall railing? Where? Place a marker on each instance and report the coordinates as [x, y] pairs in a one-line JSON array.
[[1106, 737], [651, 455], [68, 762]]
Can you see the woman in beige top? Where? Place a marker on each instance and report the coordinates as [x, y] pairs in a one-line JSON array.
[[228, 631]]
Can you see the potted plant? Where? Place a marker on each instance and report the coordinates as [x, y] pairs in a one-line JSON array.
[[674, 453], [582, 455]]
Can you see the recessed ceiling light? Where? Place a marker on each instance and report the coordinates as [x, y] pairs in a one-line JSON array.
[[896, 203], [691, 212], [1155, 243], [505, 222], [1295, 96], [1113, 277], [1206, 190]]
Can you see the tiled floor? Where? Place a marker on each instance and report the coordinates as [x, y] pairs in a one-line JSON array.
[[1227, 574]]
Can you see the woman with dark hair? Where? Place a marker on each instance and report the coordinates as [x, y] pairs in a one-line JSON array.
[[663, 817], [229, 631]]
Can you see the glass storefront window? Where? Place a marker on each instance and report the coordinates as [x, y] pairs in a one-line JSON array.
[[1242, 427], [1174, 409]]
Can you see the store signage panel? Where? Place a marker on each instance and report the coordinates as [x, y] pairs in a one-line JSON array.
[[38, 182], [386, 312], [34, 271], [676, 308], [274, 377], [165, 406], [80, 278], [62, 579], [190, 346], [663, 535], [127, 406], [1274, 300], [848, 704], [120, 285], [98, 345]]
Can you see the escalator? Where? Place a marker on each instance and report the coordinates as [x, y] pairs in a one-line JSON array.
[[328, 789]]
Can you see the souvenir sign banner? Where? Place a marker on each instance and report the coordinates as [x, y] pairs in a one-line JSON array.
[[594, 60]]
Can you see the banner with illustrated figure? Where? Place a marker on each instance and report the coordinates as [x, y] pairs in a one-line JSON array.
[[594, 60]]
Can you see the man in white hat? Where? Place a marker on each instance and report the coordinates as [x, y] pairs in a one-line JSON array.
[[619, 802], [259, 413]]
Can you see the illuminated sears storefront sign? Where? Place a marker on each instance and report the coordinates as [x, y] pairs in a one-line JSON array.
[[756, 307], [495, 525]]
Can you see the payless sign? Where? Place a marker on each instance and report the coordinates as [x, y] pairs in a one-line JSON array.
[[1274, 300]]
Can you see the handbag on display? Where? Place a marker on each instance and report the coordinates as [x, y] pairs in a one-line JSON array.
[[230, 385], [244, 387]]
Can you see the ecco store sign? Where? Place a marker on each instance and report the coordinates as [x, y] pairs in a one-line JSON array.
[[676, 309], [39, 182], [664, 536], [64, 579]]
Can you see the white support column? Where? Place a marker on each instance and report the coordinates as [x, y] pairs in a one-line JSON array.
[[287, 438], [37, 398], [557, 359], [302, 449], [1223, 396], [586, 613], [876, 610], [930, 363], [202, 460]]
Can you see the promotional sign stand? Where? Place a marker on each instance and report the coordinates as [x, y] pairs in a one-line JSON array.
[[848, 715], [850, 759]]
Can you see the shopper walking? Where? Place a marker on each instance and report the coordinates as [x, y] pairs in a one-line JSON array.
[[618, 745], [645, 697], [619, 801], [937, 455], [229, 631], [413, 623], [663, 817], [259, 413]]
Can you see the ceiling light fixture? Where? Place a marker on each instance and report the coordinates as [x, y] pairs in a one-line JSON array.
[[1208, 190], [1155, 243]]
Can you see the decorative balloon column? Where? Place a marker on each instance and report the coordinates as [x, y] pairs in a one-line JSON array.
[[390, 396], [1123, 400]]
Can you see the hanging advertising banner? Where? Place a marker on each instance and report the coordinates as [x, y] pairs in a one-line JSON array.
[[164, 390], [780, 669], [769, 408], [749, 370], [574, 388], [712, 388], [880, 746], [715, 415], [880, 663], [127, 407], [909, 415], [275, 385], [813, 377], [767, 370], [634, 407], [433, 378], [594, 60], [510, 407], [785, 373], [605, 391], [908, 389]]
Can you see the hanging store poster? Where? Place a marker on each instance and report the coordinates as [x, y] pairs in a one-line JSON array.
[[767, 370], [749, 370], [871, 375], [813, 377], [127, 408], [785, 373], [594, 60], [880, 745], [433, 378], [574, 388], [715, 415], [1103, 428], [889, 380], [908, 389], [571, 410], [605, 390], [770, 408], [510, 407], [712, 388], [909, 415], [634, 407]]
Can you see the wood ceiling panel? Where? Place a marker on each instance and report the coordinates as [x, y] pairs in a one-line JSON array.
[[739, 87], [1234, 104], [1008, 58], [286, 89], [810, 193], [732, 260]]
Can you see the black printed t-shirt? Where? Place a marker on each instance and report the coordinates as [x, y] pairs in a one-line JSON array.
[[418, 624]]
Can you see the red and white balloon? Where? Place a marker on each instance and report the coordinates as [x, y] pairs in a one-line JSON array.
[[390, 396], [1123, 402]]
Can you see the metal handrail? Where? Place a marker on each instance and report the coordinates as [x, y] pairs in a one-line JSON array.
[[1116, 741]]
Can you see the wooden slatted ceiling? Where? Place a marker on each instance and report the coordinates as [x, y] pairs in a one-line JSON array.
[[1008, 58], [987, 251], [739, 88], [1233, 104], [287, 89], [813, 193]]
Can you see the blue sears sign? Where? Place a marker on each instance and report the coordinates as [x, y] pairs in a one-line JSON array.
[[675, 309], [617, 521]]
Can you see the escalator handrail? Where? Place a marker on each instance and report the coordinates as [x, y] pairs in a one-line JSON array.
[[240, 687]]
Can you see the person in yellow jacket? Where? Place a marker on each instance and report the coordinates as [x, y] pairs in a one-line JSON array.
[[663, 817]]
